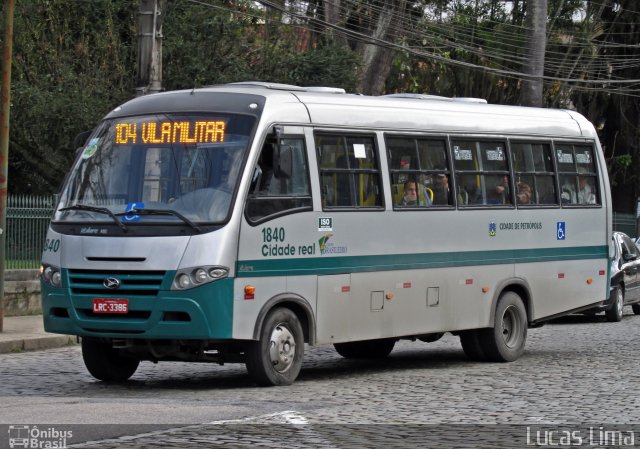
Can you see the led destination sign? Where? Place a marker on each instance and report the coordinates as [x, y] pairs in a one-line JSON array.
[[170, 132]]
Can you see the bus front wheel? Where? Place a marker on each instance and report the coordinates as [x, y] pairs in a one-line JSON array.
[[505, 341], [276, 358], [106, 363]]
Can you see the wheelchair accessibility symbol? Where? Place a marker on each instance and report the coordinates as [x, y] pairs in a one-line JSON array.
[[130, 217], [560, 233]]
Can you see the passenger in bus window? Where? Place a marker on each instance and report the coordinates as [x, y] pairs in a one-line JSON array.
[[441, 190], [500, 193], [410, 197], [586, 188], [524, 193]]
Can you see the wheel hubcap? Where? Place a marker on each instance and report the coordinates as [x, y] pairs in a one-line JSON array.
[[282, 348], [511, 327]]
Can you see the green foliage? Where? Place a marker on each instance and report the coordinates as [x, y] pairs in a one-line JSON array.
[[479, 28], [205, 46], [71, 65], [325, 66], [621, 170]]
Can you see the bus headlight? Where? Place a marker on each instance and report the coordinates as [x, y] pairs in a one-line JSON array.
[[183, 281], [200, 276], [193, 277], [51, 275]]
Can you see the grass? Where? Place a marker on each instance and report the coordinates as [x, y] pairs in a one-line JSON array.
[[21, 264]]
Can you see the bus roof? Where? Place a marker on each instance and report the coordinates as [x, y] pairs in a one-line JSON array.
[[332, 107]]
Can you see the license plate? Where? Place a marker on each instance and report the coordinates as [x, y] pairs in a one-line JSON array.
[[110, 305]]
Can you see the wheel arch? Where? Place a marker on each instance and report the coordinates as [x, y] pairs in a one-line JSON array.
[[518, 286], [298, 305]]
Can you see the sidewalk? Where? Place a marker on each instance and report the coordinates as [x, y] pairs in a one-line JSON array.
[[26, 333]]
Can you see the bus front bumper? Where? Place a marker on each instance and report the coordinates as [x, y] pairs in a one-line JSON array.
[[201, 313]]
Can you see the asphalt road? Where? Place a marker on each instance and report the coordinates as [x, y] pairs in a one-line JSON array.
[[578, 378]]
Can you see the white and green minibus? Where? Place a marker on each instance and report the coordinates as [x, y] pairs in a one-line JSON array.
[[237, 223]]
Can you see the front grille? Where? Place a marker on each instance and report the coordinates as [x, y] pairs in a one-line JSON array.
[[132, 283]]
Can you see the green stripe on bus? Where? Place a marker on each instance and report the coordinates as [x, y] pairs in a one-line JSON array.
[[353, 264]]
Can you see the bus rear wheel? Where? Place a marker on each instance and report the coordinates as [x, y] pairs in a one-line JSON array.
[[276, 358], [106, 363], [506, 340], [367, 349], [471, 345]]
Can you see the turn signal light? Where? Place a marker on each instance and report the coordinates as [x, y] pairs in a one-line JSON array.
[[249, 292]]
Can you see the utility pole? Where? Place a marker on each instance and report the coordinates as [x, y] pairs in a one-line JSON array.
[[150, 14], [5, 109]]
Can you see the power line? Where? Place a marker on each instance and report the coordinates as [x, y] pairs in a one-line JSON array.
[[439, 34]]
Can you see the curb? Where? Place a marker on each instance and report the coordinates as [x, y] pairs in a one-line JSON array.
[[36, 344]]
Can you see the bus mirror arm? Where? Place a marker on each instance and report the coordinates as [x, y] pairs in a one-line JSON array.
[[282, 161], [282, 157]]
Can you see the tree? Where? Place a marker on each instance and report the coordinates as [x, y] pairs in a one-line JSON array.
[[615, 108], [72, 64], [372, 29], [531, 93]]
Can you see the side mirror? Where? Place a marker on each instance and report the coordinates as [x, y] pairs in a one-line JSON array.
[[81, 138], [628, 256], [282, 161]]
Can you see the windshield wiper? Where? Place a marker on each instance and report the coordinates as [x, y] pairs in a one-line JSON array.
[[100, 210], [163, 212]]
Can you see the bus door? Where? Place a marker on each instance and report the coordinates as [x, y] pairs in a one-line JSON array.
[[278, 230]]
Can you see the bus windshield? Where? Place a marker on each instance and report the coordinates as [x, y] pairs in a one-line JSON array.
[[183, 168]]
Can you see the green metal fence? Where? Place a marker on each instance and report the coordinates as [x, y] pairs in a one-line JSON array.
[[625, 223], [27, 222]]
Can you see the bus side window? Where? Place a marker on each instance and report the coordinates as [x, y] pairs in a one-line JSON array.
[[482, 172], [349, 171], [422, 160], [577, 174], [533, 167], [272, 196]]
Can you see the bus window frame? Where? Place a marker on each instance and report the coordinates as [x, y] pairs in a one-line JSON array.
[[595, 175], [284, 212], [509, 171], [554, 174], [345, 134], [447, 171]]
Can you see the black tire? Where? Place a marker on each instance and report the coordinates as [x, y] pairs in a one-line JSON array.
[[276, 359], [105, 363], [636, 309], [506, 340], [471, 345], [366, 349], [614, 313], [430, 338]]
